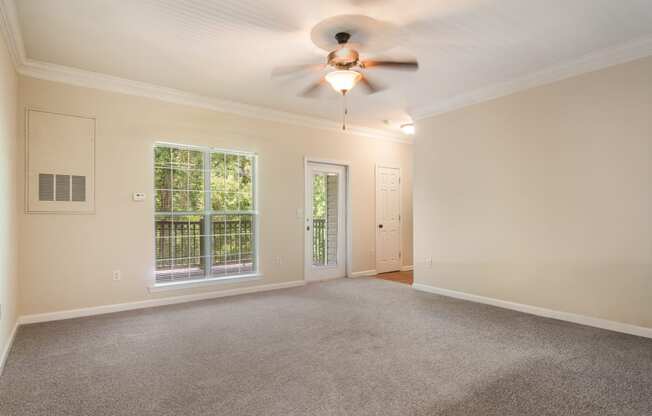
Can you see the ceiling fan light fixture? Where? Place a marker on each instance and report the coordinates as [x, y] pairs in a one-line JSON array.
[[343, 81], [408, 129]]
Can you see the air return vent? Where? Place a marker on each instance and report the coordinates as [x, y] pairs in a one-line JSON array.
[[63, 188], [79, 188], [45, 187]]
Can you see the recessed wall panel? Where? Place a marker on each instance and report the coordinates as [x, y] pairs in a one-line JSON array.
[[60, 160]]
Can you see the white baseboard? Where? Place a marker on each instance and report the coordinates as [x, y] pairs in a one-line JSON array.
[[7, 348], [364, 273], [323, 279], [367, 273], [535, 310], [99, 310]]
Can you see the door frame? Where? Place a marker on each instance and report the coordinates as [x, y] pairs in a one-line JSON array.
[[390, 165], [307, 262]]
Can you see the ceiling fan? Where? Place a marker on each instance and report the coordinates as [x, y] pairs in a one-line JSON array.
[[346, 66]]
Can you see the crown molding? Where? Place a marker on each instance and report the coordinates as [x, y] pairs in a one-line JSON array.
[[11, 31], [82, 78], [620, 54]]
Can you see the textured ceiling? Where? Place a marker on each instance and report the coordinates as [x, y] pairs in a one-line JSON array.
[[227, 48]]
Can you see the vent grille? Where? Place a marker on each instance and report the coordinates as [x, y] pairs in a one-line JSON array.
[[63, 188], [45, 187], [79, 188]]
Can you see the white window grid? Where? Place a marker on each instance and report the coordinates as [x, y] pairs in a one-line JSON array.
[[209, 264]]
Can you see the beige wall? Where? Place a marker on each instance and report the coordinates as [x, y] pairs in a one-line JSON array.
[[8, 208], [543, 197], [66, 260]]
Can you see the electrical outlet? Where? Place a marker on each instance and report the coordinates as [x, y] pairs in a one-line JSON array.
[[117, 275], [429, 262]]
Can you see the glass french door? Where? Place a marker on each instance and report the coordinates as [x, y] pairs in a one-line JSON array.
[[325, 221]]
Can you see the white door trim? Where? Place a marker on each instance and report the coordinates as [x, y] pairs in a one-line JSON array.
[[400, 208], [347, 210]]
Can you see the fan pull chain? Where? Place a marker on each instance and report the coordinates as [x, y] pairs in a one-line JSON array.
[[346, 111]]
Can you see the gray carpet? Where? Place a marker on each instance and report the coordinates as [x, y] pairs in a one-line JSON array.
[[346, 347]]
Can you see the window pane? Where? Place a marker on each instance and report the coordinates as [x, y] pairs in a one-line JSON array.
[[162, 178], [319, 234], [164, 235], [217, 199], [219, 251], [179, 270], [162, 156], [180, 201], [179, 158], [218, 171], [163, 201], [180, 179], [196, 201], [196, 268], [232, 249], [163, 270], [231, 201], [196, 180], [245, 202], [179, 247], [217, 161], [232, 173], [319, 196], [246, 173], [195, 159], [233, 244], [217, 181], [247, 247], [188, 225]]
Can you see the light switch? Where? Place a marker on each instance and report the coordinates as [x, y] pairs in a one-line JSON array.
[[139, 196]]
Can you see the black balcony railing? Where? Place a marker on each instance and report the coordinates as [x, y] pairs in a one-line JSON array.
[[180, 247], [319, 242]]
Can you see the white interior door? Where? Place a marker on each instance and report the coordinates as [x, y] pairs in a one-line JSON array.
[[325, 221], [388, 219]]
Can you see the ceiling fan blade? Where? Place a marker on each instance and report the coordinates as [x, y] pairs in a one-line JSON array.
[[293, 69], [399, 65], [313, 89], [369, 86]]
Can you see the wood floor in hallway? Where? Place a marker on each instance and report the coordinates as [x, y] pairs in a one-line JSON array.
[[399, 277]]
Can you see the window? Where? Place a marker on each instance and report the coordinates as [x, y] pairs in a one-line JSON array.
[[206, 219]]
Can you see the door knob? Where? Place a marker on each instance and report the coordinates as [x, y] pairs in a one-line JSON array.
[[380, 225]]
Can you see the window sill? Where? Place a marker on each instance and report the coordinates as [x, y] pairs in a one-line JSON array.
[[161, 287]]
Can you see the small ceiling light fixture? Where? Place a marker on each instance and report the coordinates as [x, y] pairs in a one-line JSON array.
[[408, 128], [343, 81]]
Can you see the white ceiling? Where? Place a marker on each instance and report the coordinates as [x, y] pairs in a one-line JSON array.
[[227, 48]]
